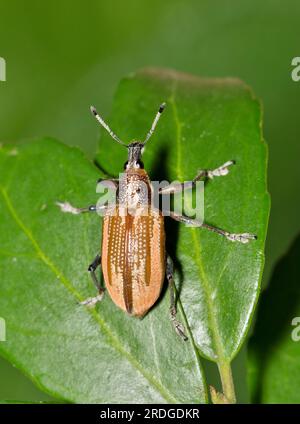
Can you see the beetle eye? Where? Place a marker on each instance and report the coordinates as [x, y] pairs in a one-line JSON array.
[[141, 164], [125, 164]]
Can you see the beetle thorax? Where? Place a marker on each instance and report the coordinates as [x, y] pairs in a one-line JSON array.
[[135, 189]]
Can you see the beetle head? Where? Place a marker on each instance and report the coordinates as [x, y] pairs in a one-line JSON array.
[[135, 151]]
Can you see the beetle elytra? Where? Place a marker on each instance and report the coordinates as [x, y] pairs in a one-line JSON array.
[[134, 262]]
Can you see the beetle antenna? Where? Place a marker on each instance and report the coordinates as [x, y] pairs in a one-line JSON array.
[[104, 124], [156, 119]]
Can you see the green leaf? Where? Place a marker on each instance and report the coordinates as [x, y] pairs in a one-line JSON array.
[[274, 348], [74, 353], [206, 123]]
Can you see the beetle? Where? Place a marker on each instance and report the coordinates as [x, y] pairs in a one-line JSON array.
[[134, 261]]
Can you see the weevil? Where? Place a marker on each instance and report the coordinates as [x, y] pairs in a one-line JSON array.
[[134, 260]]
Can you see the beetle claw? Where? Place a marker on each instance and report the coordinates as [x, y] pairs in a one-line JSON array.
[[91, 301], [68, 208], [221, 171], [242, 238], [179, 328]]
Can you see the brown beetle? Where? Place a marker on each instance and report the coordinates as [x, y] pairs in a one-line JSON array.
[[134, 262]]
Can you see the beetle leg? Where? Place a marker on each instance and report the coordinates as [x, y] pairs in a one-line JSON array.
[[203, 173], [67, 207], [92, 268], [91, 301], [240, 237], [179, 328]]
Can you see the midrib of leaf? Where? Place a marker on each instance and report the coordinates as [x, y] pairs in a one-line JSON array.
[[207, 289], [114, 342], [179, 174], [178, 125]]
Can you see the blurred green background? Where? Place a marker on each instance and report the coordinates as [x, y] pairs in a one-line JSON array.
[[64, 55]]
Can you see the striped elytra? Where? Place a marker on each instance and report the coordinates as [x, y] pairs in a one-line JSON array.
[[133, 246]]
